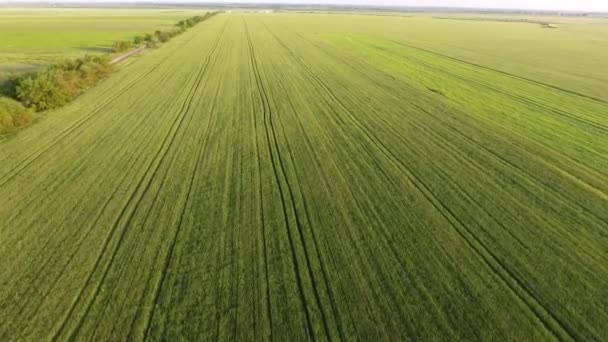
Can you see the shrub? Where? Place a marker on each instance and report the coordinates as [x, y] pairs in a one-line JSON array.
[[162, 36], [138, 40], [62, 82], [8, 85], [152, 43], [121, 46], [42, 91], [13, 115]]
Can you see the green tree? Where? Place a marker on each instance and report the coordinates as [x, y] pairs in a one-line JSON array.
[[121, 46], [138, 40], [13, 115]]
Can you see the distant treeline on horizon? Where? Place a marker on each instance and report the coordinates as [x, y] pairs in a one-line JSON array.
[[298, 7]]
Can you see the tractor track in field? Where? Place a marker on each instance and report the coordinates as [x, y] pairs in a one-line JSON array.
[[299, 223], [551, 152], [260, 189], [307, 211], [337, 316], [500, 269], [122, 269], [504, 73], [206, 64], [44, 247], [559, 155], [314, 78], [315, 245], [456, 153], [160, 155], [539, 181], [135, 162], [58, 184], [28, 160], [181, 117], [161, 283], [81, 240], [272, 140], [223, 304], [236, 248], [512, 216], [78, 245], [455, 222], [516, 97], [490, 153]]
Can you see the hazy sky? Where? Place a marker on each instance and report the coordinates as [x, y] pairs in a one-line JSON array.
[[585, 5], [596, 5]]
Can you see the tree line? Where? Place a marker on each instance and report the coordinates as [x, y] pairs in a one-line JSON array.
[[60, 83], [160, 36]]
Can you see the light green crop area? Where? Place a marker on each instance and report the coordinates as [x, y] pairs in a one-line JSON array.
[[318, 177], [33, 37], [574, 55]]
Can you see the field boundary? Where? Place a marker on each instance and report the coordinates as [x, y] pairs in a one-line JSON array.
[[124, 56]]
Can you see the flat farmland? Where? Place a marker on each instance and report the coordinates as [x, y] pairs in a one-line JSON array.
[[314, 177], [33, 37]]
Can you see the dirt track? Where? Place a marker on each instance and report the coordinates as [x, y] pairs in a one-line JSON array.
[[127, 55]]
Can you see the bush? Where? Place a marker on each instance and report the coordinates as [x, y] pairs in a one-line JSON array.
[[62, 82], [162, 36], [121, 46], [138, 40], [181, 23], [152, 44], [44, 91], [13, 115], [8, 85]]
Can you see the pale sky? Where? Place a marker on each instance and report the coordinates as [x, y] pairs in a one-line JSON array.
[[584, 5], [574, 5]]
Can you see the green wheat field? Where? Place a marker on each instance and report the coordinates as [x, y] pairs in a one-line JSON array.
[[299, 176]]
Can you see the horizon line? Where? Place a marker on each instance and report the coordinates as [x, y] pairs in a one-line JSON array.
[[135, 3]]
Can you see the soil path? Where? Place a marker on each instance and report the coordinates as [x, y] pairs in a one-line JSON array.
[[127, 55]]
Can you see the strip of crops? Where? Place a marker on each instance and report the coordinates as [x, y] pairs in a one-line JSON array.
[[257, 180]]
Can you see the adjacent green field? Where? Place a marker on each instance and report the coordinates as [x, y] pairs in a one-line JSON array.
[[326, 177], [34, 37], [573, 56]]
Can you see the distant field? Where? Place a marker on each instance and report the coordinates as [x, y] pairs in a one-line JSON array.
[[573, 56], [319, 177], [34, 37]]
